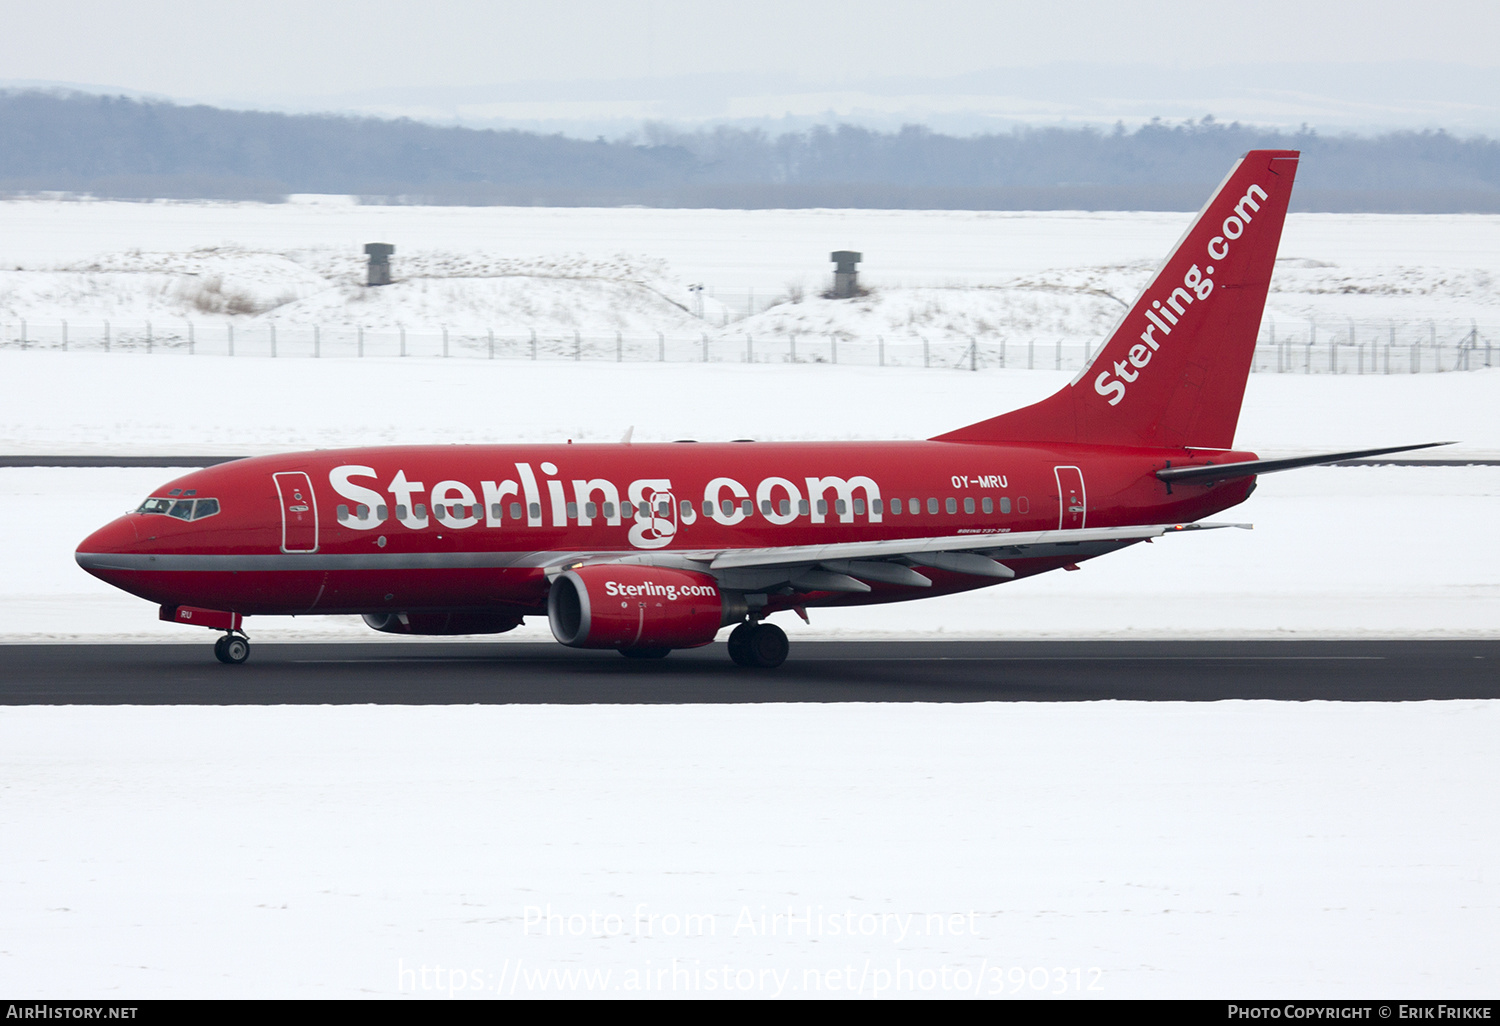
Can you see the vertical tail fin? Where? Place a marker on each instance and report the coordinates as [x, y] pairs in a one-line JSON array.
[[1173, 372]]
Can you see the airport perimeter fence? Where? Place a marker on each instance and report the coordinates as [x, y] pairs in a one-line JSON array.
[[1352, 347]]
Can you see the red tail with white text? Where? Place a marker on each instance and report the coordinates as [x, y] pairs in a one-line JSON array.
[[1173, 372]]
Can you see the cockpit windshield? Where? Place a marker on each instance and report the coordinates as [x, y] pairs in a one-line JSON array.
[[182, 509]]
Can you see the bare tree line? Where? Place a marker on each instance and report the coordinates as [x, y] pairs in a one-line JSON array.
[[123, 148]]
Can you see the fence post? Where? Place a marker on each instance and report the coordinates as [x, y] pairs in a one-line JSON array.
[[65, 336], [1312, 340], [231, 338], [23, 333], [973, 353], [491, 333], [317, 342], [661, 347], [749, 348], [794, 347], [445, 341], [1031, 355], [705, 347], [192, 339], [402, 328], [926, 352], [619, 348], [533, 345], [577, 346], [148, 338], [272, 325], [881, 340], [106, 336], [360, 351], [833, 345], [1057, 352]]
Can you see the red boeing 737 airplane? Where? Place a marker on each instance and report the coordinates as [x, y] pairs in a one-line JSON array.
[[647, 548]]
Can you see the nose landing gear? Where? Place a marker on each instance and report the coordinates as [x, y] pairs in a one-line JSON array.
[[232, 649], [757, 645]]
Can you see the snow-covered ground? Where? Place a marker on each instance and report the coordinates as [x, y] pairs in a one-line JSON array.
[[1231, 850], [936, 274]]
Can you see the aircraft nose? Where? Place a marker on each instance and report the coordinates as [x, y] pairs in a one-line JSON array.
[[115, 536]]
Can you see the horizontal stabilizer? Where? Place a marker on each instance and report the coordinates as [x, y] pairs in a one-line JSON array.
[[1250, 468]]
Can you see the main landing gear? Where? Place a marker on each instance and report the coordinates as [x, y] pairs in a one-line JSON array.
[[232, 649], [762, 646]]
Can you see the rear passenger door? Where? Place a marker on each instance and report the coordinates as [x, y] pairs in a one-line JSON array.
[[1072, 505]]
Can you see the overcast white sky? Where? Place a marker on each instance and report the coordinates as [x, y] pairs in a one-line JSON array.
[[399, 55]]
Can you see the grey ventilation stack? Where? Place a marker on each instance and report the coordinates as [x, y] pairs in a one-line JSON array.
[[380, 262], [845, 277]]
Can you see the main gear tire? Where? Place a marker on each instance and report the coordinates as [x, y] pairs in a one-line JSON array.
[[739, 644], [768, 646]]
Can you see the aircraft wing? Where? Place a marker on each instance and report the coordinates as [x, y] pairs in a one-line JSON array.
[[846, 566]]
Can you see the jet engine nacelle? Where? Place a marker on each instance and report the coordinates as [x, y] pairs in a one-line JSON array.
[[442, 623], [638, 607]]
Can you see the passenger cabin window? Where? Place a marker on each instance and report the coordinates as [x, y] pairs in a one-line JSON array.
[[932, 506], [515, 511], [1004, 505], [987, 504], [968, 505], [895, 507], [951, 505], [914, 506], [786, 507], [802, 507]]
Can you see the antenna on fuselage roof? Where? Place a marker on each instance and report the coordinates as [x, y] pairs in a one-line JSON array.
[[625, 439]]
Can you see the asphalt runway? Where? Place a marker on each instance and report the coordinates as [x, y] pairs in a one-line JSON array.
[[454, 673]]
